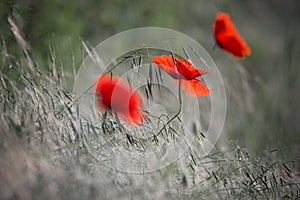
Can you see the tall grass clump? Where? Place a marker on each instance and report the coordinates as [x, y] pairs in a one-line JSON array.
[[47, 149]]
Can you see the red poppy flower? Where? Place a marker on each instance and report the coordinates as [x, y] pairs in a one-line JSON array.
[[228, 37], [185, 71], [117, 95]]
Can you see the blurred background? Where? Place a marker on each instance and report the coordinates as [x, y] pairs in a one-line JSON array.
[[263, 98]]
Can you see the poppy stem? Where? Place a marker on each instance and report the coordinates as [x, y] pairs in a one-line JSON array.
[[176, 115], [213, 47], [179, 92]]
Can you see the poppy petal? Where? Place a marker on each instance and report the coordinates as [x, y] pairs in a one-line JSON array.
[[135, 111], [228, 37], [166, 63], [117, 95], [236, 46], [193, 87], [184, 68]]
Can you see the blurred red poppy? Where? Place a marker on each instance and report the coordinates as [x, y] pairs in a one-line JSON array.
[[228, 37], [115, 94], [184, 71]]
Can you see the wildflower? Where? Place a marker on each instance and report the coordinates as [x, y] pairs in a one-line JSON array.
[[184, 72], [228, 38], [115, 94]]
